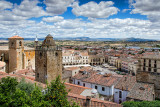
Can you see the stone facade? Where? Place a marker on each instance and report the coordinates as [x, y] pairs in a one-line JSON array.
[[96, 59], [48, 60], [149, 72], [16, 50], [16, 56]]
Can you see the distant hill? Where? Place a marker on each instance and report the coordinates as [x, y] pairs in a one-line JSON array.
[[93, 39]]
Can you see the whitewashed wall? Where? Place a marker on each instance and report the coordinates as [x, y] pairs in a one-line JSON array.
[[116, 95]]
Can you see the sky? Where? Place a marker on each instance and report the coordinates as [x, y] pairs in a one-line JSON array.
[[80, 18]]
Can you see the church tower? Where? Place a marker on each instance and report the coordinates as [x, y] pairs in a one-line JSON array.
[[16, 50], [36, 42], [48, 61]]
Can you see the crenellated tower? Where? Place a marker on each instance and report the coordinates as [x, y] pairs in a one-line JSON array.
[[48, 61]]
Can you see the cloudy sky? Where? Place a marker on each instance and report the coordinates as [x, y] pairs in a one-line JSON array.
[[80, 18]]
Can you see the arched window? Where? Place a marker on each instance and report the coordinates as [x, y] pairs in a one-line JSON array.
[[20, 43]]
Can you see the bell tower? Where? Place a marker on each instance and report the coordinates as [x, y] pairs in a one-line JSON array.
[[16, 49], [48, 61]]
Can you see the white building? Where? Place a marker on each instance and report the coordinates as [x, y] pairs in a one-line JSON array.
[[74, 57], [112, 60], [104, 84], [123, 87]]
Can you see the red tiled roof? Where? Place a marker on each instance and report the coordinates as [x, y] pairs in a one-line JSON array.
[[75, 89], [126, 83], [81, 100], [93, 77], [16, 36]]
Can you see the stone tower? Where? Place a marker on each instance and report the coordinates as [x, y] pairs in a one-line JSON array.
[[48, 61], [16, 49]]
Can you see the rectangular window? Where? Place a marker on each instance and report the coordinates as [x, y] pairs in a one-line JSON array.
[[84, 84], [103, 89], [155, 70], [120, 94], [95, 87], [78, 83], [149, 69], [37, 75], [144, 69]]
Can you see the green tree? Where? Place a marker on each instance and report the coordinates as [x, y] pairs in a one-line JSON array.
[[13, 94], [141, 104], [25, 86], [57, 94]]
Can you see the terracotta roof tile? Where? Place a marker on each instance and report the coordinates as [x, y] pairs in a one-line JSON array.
[[75, 89], [16, 36], [94, 78], [142, 91], [81, 100], [126, 83]]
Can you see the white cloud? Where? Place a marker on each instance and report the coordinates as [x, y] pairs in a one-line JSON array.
[[125, 10], [56, 7], [151, 8], [101, 28], [94, 10], [5, 5], [29, 8], [53, 19]]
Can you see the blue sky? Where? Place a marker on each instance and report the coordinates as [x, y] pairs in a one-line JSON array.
[[80, 18]]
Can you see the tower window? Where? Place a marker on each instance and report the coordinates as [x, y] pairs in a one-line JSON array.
[[12, 44], [20, 43], [40, 54], [56, 54], [37, 75]]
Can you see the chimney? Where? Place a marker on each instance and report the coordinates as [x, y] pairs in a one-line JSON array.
[[88, 101]]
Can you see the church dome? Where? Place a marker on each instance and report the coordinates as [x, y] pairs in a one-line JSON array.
[[48, 41]]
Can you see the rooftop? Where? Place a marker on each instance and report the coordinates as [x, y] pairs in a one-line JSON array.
[[16, 37], [75, 89], [142, 91], [93, 77], [151, 56], [93, 102], [126, 83]]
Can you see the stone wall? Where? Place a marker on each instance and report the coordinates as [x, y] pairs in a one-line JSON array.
[[150, 77]]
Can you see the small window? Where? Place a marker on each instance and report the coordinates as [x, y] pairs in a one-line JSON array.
[[37, 75], [56, 54], [120, 94], [12, 44], [95, 87], [40, 54], [78, 83], [84, 84], [103, 89], [120, 101]]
